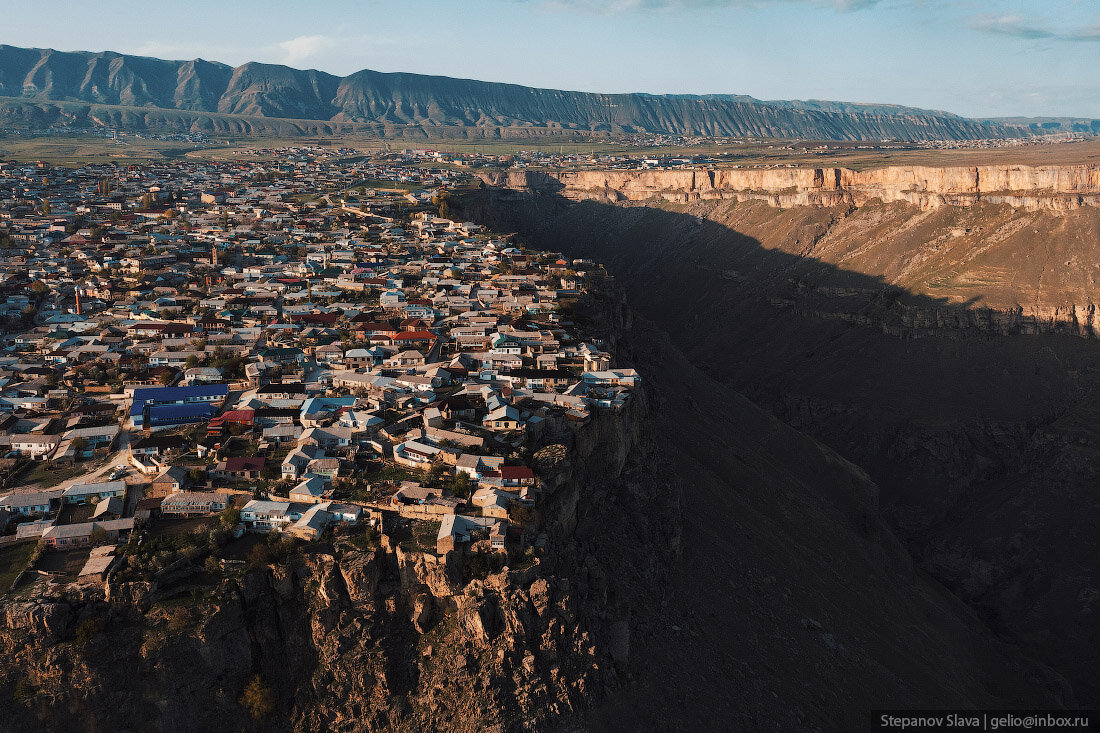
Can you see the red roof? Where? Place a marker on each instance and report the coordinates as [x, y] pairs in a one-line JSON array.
[[516, 473], [414, 336], [244, 416], [244, 463]]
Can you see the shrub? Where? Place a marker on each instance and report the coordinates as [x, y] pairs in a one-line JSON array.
[[88, 630], [257, 698]]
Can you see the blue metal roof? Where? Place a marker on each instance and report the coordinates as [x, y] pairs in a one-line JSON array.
[[172, 394], [177, 412]]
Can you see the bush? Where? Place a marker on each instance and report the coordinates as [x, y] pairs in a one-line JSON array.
[[88, 630], [259, 555], [230, 517], [257, 698], [24, 690]]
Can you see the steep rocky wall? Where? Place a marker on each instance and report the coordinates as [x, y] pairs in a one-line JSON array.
[[1056, 188], [929, 348]]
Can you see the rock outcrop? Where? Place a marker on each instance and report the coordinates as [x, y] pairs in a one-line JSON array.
[[1056, 188]]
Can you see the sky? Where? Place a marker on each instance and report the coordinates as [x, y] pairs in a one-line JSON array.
[[977, 58]]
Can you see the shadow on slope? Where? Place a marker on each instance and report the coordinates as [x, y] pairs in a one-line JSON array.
[[981, 436]]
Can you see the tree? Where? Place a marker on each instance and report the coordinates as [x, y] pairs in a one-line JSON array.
[[257, 698], [98, 536], [229, 517], [80, 445], [260, 554], [40, 288], [47, 209], [192, 361], [460, 486]]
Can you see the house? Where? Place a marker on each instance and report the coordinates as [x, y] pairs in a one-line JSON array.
[[282, 434], [100, 438], [423, 500], [311, 491], [504, 417], [148, 508], [153, 406], [159, 445], [330, 437], [266, 516], [87, 493], [38, 502], [73, 536], [414, 454], [457, 530], [172, 480], [296, 461], [493, 502], [193, 503], [108, 508], [312, 523], [324, 468], [35, 447], [516, 476], [612, 378], [239, 468]]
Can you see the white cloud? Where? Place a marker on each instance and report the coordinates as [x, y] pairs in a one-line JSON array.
[[626, 6], [1033, 29], [303, 48]]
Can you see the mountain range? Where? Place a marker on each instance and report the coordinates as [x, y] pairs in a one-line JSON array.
[[48, 88]]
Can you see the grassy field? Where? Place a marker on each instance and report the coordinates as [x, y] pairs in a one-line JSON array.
[[13, 560]]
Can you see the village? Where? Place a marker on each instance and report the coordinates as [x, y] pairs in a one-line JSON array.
[[215, 361]]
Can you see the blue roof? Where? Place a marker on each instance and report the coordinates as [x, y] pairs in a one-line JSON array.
[[174, 412], [317, 404], [171, 394]]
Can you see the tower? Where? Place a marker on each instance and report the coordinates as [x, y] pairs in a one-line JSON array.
[[78, 301]]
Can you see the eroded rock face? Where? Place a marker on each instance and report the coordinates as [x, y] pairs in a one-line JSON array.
[[361, 573], [39, 618], [1054, 188]]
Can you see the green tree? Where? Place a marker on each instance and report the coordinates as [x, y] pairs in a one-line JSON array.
[[98, 536], [80, 445], [230, 517]]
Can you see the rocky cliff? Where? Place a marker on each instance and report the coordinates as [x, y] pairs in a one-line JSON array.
[[706, 567], [1055, 188], [939, 350]]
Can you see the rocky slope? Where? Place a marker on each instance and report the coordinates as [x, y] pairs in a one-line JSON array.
[[433, 105], [707, 568], [940, 350]]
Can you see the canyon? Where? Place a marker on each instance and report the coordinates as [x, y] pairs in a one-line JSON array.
[[739, 570], [934, 327]]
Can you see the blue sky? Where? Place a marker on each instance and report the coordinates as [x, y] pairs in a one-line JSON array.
[[972, 57]]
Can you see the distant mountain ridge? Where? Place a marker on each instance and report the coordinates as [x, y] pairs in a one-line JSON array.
[[428, 105]]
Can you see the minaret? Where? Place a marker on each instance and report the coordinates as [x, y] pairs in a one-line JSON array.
[[214, 253], [78, 301]]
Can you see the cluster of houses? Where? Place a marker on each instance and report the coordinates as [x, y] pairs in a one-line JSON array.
[[284, 339]]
